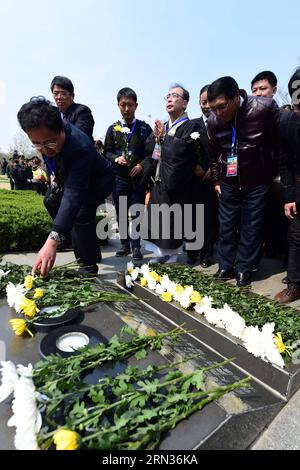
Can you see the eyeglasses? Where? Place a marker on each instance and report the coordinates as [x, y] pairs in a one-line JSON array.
[[49, 145], [173, 95], [220, 107]]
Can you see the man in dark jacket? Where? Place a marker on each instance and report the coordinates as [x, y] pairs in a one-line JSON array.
[[210, 199], [243, 146], [173, 150], [289, 165], [80, 181], [127, 151], [77, 114]]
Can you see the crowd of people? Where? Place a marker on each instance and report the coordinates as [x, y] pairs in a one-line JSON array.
[[240, 160]]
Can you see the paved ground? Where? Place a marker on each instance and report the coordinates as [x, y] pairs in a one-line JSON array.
[[284, 432]]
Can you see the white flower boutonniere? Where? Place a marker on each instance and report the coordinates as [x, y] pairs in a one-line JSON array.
[[195, 135]]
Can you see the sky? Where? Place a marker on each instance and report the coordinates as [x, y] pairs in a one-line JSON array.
[[105, 45]]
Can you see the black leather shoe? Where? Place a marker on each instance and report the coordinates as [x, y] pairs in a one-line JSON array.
[[191, 257], [136, 253], [206, 262], [243, 279], [124, 251], [225, 274]]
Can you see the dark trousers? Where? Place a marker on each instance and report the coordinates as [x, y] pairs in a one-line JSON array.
[[293, 271], [134, 194], [241, 218], [84, 237], [211, 225]]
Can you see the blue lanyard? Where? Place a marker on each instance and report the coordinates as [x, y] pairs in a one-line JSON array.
[[50, 162], [233, 145], [131, 132], [175, 123]]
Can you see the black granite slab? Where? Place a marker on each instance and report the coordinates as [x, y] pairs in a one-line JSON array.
[[285, 381], [232, 423]]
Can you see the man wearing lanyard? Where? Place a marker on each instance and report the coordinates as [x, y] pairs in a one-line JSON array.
[[173, 150], [124, 146], [80, 180], [243, 146]]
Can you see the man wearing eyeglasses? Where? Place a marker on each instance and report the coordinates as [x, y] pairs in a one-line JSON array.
[[80, 181], [77, 114], [243, 146], [173, 150]]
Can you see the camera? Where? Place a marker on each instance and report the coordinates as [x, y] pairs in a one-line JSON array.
[[53, 195]]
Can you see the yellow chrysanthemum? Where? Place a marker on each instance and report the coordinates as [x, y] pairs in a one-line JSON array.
[[144, 282], [28, 307], [179, 289], [151, 332], [167, 297], [195, 297], [130, 270], [64, 439], [155, 276], [28, 283], [39, 293], [282, 348], [118, 128], [19, 326]]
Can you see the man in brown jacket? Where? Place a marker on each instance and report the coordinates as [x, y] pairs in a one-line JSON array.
[[243, 133]]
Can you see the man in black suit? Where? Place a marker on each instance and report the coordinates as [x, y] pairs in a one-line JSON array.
[[210, 199], [77, 114]]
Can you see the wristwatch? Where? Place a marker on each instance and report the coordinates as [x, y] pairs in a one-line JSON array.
[[58, 237]]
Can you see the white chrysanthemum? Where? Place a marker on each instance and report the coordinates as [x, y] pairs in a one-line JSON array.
[[135, 274], [215, 316], [128, 282], [184, 300], [9, 379], [204, 305], [254, 341], [151, 283], [25, 371], [14, 295], [3, 273], [125, 130], [195, 135], [145, 270], [232, 322], [188, 291], [130, 266], [159, 290], [165, 282], [26, 418], [172, 288]]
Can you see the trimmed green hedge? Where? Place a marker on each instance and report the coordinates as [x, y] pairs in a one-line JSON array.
[[24, 221]]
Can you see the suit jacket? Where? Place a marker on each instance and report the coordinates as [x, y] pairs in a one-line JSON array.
[[205, 161], [82, 173], [289, 158], [80, 116]]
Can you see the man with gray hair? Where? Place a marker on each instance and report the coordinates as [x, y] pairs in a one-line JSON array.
[[173, 150]]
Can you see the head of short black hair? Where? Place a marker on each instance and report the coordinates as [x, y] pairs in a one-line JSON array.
[[204, 89], [63, 82], [265, 75], [39, 112], [127, 93], [294, 83], [185, 93], [226, 86]]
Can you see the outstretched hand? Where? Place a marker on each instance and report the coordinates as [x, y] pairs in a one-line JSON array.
[[46, 258]]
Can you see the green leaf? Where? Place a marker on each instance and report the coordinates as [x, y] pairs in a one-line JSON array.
[[142, 354]]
